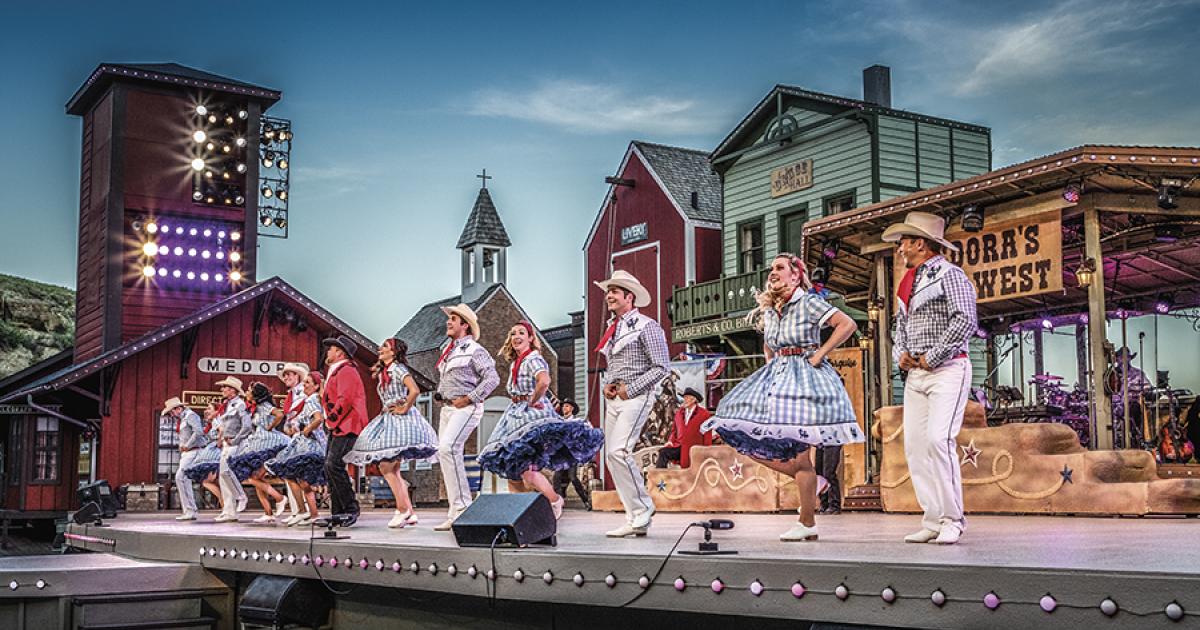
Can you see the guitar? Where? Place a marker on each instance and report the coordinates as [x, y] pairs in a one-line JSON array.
[[1173, 444]]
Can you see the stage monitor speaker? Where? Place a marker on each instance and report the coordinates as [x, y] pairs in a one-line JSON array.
[[98, 492], [87, 513], [277, 601], [524, 518]]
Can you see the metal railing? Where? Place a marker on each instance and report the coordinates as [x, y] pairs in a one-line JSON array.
[[716, 298]]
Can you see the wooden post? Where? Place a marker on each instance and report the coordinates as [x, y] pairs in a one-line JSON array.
[[883, 362], [1102, 431], [1039, 364]]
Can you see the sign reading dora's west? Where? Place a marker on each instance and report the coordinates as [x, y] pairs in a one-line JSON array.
[[790, 178], [1016, 258]]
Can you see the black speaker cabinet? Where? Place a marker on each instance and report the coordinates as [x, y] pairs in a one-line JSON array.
[[278, 601], [525, 518], [98, 492], [86, 514]]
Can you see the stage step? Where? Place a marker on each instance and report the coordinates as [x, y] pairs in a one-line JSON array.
[[863, 498]]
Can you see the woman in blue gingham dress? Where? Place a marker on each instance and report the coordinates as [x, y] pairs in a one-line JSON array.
[[203, 469], [530, 435], [397, 434], [797, 399], [247, 462], [302, 462]]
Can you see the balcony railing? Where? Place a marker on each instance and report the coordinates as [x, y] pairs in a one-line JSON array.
[[716, 298]]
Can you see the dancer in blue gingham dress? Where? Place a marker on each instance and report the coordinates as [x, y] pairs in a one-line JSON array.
[[528, 438], [393, 437], [303, 459], [787, 405], [260, 446]]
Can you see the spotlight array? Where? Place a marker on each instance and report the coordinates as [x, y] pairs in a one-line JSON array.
[[187, 254], [275, 148], [218, 154]]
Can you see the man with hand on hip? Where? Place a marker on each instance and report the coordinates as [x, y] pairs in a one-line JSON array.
[[192, 438]]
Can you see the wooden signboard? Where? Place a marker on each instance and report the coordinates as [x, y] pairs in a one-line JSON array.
[[849, 364], [1012, 259], [791, 178]]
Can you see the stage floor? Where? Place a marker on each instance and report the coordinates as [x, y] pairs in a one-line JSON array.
[[1142, 564]]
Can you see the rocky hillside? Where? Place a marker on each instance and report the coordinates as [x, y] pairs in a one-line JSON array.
[[36, 321]]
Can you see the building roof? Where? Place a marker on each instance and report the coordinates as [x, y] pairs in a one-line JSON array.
[[426, 330], [106, 73], [73, 373], [483, 225], [684, 171], [766, 109]]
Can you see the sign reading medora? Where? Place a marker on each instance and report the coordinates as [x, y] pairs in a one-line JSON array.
[[1012, 259]]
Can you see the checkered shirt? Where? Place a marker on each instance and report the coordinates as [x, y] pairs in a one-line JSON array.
[[191, 430], [642, 363], [395, 392], [476, 380], [526, 382], [236, 420], [940, 318]]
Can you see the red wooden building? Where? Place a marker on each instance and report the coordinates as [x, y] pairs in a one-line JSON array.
[[660, 221]]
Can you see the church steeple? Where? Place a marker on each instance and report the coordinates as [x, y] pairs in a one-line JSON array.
[[484, 244]]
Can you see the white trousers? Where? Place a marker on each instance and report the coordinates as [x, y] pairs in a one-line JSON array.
[[231, 488], [623, 422], [933, 414], [183, 485], [454, 427]]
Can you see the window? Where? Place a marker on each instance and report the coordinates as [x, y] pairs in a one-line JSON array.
[[471, 267], [12, 458], [489, 265], [750, 246], [840, 202], [168, 447], [45, 450], [790, 223]]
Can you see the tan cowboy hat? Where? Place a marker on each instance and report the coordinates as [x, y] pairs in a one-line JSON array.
[[299, 369], [231, 381], [171, 403], [466, 314], [625, 280], [922, 224]]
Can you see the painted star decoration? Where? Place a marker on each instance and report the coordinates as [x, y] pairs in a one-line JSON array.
[[736, 469], [1066, 474], [970, 453], [662, 486]]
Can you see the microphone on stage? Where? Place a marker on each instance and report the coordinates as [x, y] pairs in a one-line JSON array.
[[716, 523]]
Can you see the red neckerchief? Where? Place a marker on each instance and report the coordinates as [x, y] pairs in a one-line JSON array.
[[516, 367], [608, 335], [251, 406], [287, 402], [904, 291], [445, 353], [385, 376]]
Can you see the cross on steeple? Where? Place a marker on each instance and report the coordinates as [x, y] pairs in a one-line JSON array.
[[485, 177]]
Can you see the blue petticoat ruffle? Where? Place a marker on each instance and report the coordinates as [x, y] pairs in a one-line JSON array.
[[405, 453], [244, 465], [199, 472], [308, 468], [551, 446], [778, 449]]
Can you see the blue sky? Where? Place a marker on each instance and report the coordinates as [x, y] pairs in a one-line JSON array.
[[397, 106]]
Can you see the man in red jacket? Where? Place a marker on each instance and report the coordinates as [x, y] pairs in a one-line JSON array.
[[686, 432], [344, 402]]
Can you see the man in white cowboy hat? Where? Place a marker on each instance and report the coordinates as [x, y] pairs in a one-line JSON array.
[[235, 427], [466, 377], [636, 350], [935, 319], [191, 439]]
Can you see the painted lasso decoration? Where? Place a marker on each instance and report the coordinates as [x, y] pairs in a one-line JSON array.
[[713, 473]]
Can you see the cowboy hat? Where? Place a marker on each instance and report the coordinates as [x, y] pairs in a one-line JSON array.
[[625, 280], [691, 392], [171, 404], [345, 343], [231, 381], [1125, 351], [299, 369], [920, 224], [464, 313]]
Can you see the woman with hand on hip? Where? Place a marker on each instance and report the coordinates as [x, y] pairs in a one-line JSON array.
[[531, 436], [302, 462], [797, 399], [397, 434], [247, 463]]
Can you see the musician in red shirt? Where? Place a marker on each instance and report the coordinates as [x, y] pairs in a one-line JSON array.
[[686, 433], [344, 401]]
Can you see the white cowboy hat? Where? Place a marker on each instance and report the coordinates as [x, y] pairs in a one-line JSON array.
[[465, 313], [231, 381], [625, 280], [299, 369], [171, 404], [922, 224]]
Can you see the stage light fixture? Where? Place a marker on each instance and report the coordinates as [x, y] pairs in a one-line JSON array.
[[235, 236], [267, 192], [225, 175], [1168, 189], [178, 251], [206, 254], [201, 110], [149, 271], [220, 255], [162, 271], [1168, 233], [150, 249], [268, 161], [972, 218], [282, 193], [193, 232], [228, 119], [204, 276], [241, 142], [1047, 323], [241, 167], [152, 227], [1163, 305], [263, 218], [235, 256], [280, 221], [176, 273], [239, 200], [225, 148], [197, 195], [163, 250], [221, 234], [208, 146], [235, 276], [192, 252], [242, 114], [191, 275], [197, 165], [219, 277], [199, 136], [283, 164], [1072, 192], [212, 118], [207, 232], [179, 230]]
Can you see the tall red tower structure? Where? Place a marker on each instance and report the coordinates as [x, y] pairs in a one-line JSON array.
[[169, 196]]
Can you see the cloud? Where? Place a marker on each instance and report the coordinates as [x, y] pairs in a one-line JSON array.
[[583, 107]]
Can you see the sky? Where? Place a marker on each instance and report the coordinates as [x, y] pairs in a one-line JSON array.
[[397, 106]]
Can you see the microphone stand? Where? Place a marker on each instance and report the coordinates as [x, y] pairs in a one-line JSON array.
[[708, 547]]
